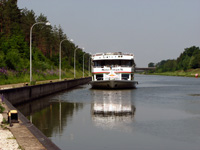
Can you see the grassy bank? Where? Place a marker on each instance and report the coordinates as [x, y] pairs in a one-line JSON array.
[[188, 73], [13, 77], [1, 108]]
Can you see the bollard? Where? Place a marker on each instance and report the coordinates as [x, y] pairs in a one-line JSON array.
[[12, 117], [196, 75], [9, 121]]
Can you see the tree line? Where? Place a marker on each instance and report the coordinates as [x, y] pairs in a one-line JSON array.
[[189, 59], [15, 27]]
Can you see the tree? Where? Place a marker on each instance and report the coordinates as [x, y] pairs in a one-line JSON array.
[[190, 58], [151, 64], [15, 49], [10, 17], [15, 27], [195, 63], [27, 20]]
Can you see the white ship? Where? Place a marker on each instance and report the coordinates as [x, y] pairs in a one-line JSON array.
[[113, 71]]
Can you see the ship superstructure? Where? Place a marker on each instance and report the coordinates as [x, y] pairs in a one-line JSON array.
[[108, 68]]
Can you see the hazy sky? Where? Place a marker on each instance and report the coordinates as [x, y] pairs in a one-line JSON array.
[[151, 29]]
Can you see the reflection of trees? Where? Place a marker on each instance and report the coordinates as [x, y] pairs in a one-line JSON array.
[[47, 119], [29, 108]]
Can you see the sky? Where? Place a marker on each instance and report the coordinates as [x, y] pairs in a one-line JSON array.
[[153, 30]]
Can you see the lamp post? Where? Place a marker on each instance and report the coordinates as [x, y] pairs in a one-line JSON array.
[[60, 59], [83, 63], [89, 64], [75, 62], [46, 23]]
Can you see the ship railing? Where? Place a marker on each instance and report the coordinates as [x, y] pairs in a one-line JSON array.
[[113, 66], [116, 53]]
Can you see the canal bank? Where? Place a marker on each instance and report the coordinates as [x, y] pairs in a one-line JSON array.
[[28, 93], [26, 134], [181, 73]]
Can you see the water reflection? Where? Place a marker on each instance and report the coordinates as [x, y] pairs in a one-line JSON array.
[[51, 117], [112, 109]]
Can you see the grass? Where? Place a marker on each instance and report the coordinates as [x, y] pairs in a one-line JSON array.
[[20, 147], [40, 76], [1, 109], [11, 138], [4, 124], [4, 121], [187, 73]]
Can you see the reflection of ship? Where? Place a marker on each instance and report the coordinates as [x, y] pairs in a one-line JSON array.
[[112, 109], [109, 109]]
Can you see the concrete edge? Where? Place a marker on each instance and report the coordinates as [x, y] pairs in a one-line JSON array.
[[46, 142], [29, 93]]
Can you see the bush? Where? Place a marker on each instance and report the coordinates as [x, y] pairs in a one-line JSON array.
[[1, 109]]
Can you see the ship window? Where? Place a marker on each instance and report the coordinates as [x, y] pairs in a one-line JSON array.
[[126, 63], [125, 76], [123, 63], [99, 76], [98, 63], [112, 62]]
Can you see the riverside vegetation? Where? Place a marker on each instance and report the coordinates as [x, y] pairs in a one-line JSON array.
[[187, 64], [15, 27], [1, 108]]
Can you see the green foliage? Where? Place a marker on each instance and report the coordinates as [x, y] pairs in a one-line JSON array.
[[15, 25], [195, 61], [188, 73], [14, 49], [189, 59], [2, 57], [1, 109], [10, 18], [151, 64]]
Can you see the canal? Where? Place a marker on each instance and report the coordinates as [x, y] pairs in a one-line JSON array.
[[162, 113]]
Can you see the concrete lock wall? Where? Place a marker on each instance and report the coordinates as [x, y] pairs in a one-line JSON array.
[[23, 94]]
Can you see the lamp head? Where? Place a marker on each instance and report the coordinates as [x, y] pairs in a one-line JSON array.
[[48, 23]]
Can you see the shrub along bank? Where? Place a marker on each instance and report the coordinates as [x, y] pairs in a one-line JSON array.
[[187, 73], [12, 77]]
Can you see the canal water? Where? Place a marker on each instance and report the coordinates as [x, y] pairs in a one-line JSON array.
[[162, 113]]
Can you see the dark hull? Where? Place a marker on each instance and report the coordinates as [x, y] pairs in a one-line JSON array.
[[113, 84]]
